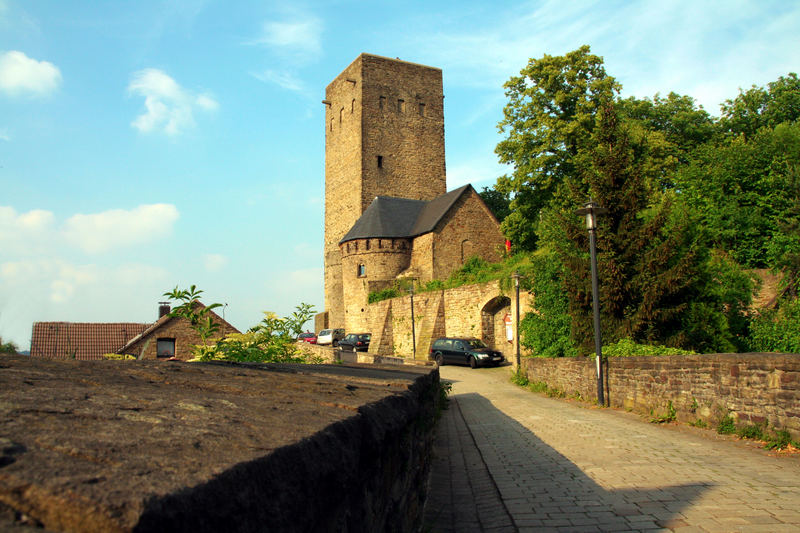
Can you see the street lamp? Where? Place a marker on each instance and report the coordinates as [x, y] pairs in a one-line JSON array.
[[515, 276], [591, 210], [413, 332]]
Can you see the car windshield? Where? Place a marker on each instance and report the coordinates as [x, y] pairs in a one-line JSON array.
[[475, 343], [324, 332]]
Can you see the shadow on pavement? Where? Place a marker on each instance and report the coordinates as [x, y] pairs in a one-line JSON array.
[[490, 473]]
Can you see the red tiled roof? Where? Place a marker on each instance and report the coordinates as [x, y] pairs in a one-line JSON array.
[[81, 340]]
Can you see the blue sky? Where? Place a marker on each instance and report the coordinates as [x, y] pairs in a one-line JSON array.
[[150, 144]]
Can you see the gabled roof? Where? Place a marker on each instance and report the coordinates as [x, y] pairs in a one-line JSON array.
[[392, 218], [226, 328], [81, 340]]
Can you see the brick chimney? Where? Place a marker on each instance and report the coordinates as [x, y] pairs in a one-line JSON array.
[[163, 309]]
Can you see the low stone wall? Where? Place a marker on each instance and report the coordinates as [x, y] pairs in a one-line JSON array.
[[755, 388], [146, 446]]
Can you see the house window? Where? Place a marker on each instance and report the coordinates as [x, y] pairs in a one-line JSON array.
[[401, 106], [380, 161], [165, 348], [362, 271], [421, 109]]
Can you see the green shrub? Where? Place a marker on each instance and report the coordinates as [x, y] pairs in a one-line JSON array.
[[777, 330], [752, 431], [546, 331], [669, 416], [780, 440], [385, 294], [726, 425], [629, 348]]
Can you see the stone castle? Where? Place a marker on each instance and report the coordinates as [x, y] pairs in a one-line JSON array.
[[388, 214]]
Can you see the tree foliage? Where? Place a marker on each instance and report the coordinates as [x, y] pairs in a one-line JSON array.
[[8, 348], [691, 198], [272, 340], [549, 115]]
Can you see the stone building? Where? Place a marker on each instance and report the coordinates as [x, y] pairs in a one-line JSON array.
[[166, 338], [388, 214]]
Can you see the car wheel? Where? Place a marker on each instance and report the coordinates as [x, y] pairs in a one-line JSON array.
[[439, 359], [473, 363]]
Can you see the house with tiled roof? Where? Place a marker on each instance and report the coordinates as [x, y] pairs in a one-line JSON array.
[[166, 338]]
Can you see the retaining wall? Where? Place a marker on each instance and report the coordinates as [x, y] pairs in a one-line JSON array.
[[754, 388], [163, 446]]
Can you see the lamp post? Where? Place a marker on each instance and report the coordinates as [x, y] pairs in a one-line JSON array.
[[413, 332], [591, 210], [516, 277]]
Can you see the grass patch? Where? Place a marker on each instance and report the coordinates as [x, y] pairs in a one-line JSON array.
[[669, 416], [726, 425]]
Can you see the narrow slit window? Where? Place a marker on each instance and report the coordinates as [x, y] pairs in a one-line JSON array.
[[341, 112], [401, 106], [382, 102], [362, 270], [421, 109], [380, 161], [353, 106]]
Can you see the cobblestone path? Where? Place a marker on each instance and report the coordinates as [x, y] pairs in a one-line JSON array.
[[511, 460]]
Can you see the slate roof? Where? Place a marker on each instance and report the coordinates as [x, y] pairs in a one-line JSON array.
[[393, 218], [87, 341]]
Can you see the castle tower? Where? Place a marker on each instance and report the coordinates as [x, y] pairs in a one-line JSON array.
[[384, 136]]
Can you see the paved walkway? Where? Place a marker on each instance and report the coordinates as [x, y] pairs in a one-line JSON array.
[[511, 460]]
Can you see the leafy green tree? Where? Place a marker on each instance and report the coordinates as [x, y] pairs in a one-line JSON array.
[[498, 202], [744, 190], [652, 261], [760, 107], [550, 113], [546, 330], [271, 341], [199, 316], [8, 348]]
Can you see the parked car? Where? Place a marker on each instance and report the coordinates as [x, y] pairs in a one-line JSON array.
[[330, 336], [355, 342], [308, 337], [464, 351]]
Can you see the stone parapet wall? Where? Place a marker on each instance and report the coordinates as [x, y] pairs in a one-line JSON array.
[[156, 446], [475, 310], [754, 388]]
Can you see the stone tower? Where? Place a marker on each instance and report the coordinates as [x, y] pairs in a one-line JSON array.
[[384, 136]]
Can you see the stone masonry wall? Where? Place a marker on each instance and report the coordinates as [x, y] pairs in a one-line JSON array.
[[383, 260], [384, 135], [454, 312], [179, 329], [754, 388], [403, 123], [469, 229], [151, 446]]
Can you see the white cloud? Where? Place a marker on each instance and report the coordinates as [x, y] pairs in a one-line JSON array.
[[282, 79], [20, 74], [118, 228], [214, 262], [301, 35], [24, 233], [168, 106]]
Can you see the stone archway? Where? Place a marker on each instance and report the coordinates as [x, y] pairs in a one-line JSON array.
[[492, 327]]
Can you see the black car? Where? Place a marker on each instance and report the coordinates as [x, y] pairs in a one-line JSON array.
[[355, 342], [464, 351]]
